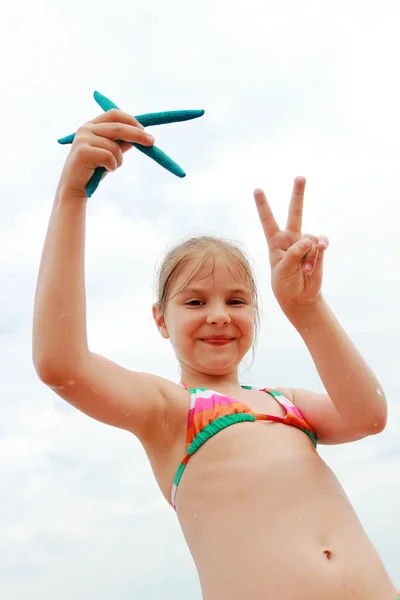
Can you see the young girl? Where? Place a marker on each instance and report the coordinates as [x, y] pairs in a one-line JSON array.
[[263, 515]]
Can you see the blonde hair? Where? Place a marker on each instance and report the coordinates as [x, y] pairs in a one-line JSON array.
[[209, 247]]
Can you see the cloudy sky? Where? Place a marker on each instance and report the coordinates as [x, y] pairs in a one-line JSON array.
[[289, 89]]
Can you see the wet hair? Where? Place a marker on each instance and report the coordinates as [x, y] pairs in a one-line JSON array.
[[203, 250]]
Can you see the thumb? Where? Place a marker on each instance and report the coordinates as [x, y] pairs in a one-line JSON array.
[[294, 255]]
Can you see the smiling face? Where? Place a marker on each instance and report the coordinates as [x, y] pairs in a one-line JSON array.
[[209, 315]]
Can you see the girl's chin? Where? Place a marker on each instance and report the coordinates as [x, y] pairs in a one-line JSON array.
[[216, 367], [213, 363]]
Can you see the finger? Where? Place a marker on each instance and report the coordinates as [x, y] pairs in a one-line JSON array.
[[295, 255], [295, 216], [124, 132], [323, 242], [268, 222], [311, 256], [310, 260], [106, 144], [125, 146], [93, 157], [115, 115], [319, 264], [314, 258], [311, 236], [315, 255]]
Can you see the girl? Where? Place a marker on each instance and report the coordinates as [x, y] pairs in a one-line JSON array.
[[264, 517]]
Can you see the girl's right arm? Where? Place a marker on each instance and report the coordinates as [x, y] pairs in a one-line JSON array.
[[61, 356]]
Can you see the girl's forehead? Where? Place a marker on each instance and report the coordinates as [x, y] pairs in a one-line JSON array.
[[211, 271]]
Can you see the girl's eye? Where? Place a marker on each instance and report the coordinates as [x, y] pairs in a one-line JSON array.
[[236, 301]]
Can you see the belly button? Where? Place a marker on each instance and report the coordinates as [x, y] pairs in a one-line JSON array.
[[328, 554]]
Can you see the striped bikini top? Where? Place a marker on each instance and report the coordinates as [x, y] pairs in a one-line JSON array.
[[211, 412]]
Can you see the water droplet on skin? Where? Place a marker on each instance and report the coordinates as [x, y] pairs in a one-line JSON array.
[[379, 391]]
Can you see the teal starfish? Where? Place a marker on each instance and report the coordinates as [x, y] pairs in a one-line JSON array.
[[146, 120]]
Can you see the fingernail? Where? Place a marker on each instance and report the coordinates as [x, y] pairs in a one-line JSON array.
[[150, 138]]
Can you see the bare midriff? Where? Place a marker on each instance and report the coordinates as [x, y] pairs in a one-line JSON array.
[[301, 540]]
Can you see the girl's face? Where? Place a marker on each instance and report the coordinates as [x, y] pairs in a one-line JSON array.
[[210, 321]]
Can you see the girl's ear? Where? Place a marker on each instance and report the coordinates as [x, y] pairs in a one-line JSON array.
[[159, 321]]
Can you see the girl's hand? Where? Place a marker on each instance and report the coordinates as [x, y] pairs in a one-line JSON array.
[[95, 145], [296, 259]]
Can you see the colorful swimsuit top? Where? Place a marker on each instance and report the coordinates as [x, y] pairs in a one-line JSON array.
[[210, 412]]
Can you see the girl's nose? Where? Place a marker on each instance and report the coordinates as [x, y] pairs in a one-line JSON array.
[[218, 318]]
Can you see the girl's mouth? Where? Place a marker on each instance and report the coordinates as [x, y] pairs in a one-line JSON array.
[[217, 341]]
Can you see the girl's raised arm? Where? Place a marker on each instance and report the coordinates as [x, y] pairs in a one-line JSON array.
[[61, 355]]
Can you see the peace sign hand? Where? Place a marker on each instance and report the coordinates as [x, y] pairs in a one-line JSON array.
[[296, 260]]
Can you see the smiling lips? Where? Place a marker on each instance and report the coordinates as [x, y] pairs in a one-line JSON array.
[[217, 340]]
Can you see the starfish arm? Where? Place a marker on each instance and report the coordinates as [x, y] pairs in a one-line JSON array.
[[150, 119], [104, 102], [153, 152], [172, 116], [162, 159], [159, 118], [154, 119], [68, 139], [94, 181]]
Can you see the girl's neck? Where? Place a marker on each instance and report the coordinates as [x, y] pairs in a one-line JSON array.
[[194, 378]]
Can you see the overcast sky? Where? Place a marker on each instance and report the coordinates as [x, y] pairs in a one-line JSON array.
[[289, 88]]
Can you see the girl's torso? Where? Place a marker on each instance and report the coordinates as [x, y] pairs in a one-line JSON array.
[[263, 515]]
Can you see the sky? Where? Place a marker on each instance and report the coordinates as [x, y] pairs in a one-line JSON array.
[[288, 89]]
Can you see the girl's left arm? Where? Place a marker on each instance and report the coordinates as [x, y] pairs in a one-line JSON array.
[[355, 405]]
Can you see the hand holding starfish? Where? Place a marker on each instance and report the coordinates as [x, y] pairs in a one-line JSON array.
[[143, 143], [95, 152]]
